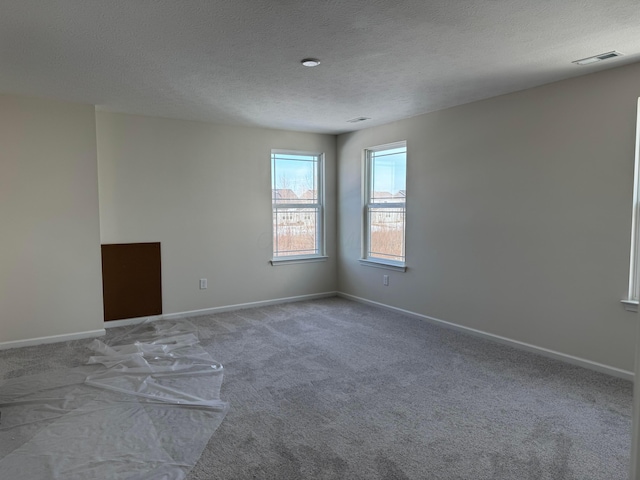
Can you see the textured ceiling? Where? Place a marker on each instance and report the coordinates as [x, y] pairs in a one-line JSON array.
[[238, 61]]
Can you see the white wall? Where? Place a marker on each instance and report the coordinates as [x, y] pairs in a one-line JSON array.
[[50, 272], [519, 215], [204, 192]]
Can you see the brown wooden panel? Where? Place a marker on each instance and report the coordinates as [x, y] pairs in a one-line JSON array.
[[131, 280]]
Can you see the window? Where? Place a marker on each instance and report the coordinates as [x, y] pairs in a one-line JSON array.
[[631, 303], [297, 204], [385, 204]]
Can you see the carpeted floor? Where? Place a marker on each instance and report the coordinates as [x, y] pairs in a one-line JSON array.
[[332, 389]]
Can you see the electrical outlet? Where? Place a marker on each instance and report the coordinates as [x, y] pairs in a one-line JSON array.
[[385, 280], [203, 284]]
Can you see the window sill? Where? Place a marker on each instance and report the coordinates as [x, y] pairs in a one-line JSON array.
[[630, 305], [398, 267], [277, 262]]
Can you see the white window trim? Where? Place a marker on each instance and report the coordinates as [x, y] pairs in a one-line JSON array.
[[320, 227], [366, 260], [291, 259], [385, 264], [631, 302]]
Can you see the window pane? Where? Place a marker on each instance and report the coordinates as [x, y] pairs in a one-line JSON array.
[[385, 213], [294, 178], [297, 203], [295, 232], [388, 176], [386, 233]]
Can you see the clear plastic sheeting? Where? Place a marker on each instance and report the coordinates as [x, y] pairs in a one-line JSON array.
[[144, 407]]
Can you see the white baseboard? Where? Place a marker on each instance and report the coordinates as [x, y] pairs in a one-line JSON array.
[[29, 342], [581, 362], [210, 311], [616, 372]]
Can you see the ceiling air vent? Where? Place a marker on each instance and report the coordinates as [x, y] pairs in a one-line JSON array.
[[358, 119], [597, 58]]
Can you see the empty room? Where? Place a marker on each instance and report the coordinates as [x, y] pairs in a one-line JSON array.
[[319, 239]]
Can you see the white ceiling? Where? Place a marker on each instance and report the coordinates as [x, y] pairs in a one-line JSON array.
[[238, 61]]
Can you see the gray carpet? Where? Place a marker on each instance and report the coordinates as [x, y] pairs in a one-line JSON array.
[[332, 389]]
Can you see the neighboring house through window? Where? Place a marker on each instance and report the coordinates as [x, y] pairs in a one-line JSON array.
[[297, 202], [385, 205]]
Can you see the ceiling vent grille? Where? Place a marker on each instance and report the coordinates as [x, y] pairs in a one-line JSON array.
[[597, 58], [358, 119]]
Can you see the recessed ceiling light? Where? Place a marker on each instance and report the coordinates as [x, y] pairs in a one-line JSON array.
[[310, 62], [597, 58], [358, 119]]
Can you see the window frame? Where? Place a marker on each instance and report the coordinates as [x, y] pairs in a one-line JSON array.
[[319, 205], [366, 259], [633, 296]]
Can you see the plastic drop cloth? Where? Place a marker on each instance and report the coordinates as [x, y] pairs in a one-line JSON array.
[[144, 407]]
